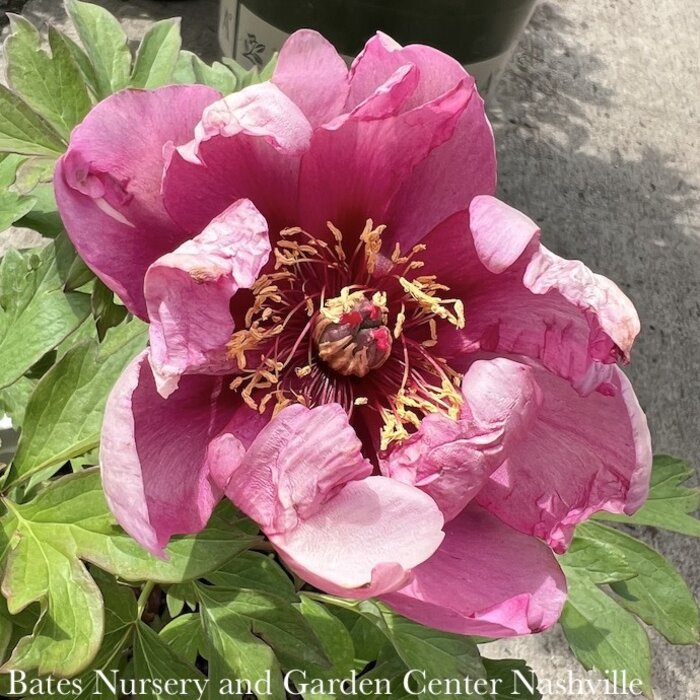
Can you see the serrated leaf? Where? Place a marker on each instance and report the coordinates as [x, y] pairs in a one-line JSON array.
[[670, 504], [255, 571], [658, 594], [604, 636], [157, 55], [598, 560], [64, 415], [512, 679], [23, 131], [35, 313], [105, 43], [233, 651], [158, 663], [184, 636], [52, 85]]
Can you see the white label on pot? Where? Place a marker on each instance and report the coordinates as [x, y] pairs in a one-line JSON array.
[[246, 37]]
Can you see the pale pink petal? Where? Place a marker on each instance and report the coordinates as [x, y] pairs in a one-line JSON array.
[[365, 540], [501, 233], [452, 459], [188, 294], [108, 184], [486, 579], [581, 455], [153, 452], [305, 482], [247, 145], [313, 75]]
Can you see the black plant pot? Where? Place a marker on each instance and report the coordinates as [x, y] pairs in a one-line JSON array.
[[478, 33]]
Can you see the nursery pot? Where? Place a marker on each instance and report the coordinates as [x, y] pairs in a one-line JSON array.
[[480, 34]]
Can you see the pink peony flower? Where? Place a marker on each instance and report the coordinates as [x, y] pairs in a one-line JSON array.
[[351, 338]]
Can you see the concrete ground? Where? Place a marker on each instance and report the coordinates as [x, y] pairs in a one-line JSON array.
[[597, 126]]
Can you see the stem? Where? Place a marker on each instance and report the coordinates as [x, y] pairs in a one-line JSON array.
[[143, 598]]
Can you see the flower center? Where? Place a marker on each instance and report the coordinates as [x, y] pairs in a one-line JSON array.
[[350, 333], [318, 331]]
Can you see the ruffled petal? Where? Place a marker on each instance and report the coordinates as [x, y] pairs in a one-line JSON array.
[[313, 75], [521, 299], [188, 294], [108, 184], [247, 145], [305, 482], [486, 579], [581, 455], [452, 459], [153, 453]]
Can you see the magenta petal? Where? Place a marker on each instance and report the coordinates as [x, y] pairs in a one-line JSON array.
[[313, 75], [108, 184], [580, 455], [451, 460], [365, 540], [153, 453], [354, 167], [247, 145], [304, 481], [486, 579], [188, 294]]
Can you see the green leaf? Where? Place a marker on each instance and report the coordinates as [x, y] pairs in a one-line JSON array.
[[511, 679], [41, 569], [158, 663], [105, 44], [191, 69], [68, 521], [35, 313], [64, 415], [184, 636], [604, 636], [179, 595], [13, 207], [43, 218], [367, 638], [255, 571], [599, 561], [659, 595], [106, 311], [670, 504], [439, 654], [23, 131], [81, 59], [157, 55], [14, 399], [337, 644], [234, 650], [51, 85], [271, 619]]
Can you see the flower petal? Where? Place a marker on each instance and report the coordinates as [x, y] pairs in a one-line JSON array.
[[365, 540], [247, 145], [581, 455], [451, 460], [108, 184], [313, 75], [557, 311], [304, 481], [486, 579], [188, 293], [153, 453]]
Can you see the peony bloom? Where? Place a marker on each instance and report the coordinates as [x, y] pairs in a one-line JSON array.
[[351, 338]]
